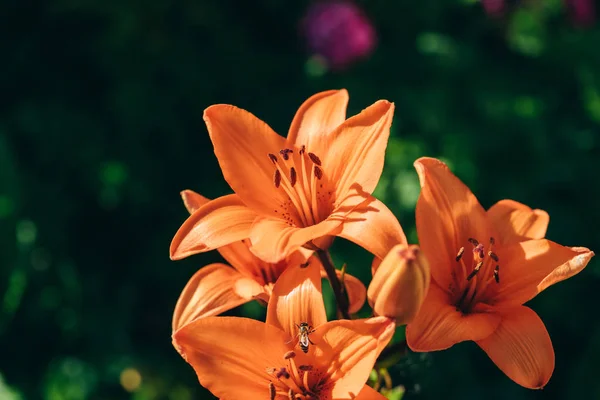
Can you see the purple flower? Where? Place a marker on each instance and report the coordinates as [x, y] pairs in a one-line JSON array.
[[493, 7], [339, 32], [582, 12]]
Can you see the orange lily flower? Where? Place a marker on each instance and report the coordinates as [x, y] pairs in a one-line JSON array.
[[299, 191], [240, 358], [484, 267], [218, 287]]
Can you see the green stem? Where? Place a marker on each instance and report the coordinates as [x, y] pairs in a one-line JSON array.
[[338, 290]]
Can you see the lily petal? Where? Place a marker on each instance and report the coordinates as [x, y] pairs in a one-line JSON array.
[[371, 225], [368, 393], [212, 290], [516, 222], [242, 144], [349, 349], [521, 348], [356, 151], [215, 224], [297, 298], [231, 355], [317, 118], [439, 325], [273, 240], [356, 290], [528, 267], [447, 215], [193, 200], [568, 269]]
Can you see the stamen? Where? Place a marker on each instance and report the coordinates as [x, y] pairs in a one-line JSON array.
[[302, 150], [272, 393], [474, 242], [492, 241], [493, 256], [318, 172], [277, 178], [475, 270], [306, 264], [305, 367], [460, 254], [291, 395], [288, 355], [313, 157], [273, 158], [293, 176], [497, 274]]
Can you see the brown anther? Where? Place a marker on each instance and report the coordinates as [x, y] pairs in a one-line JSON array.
[[474, 242], [318, 172], [492, 241], [460, 254], [288, 355], [306, 264], [272, 392], [277, 178], [291, 395], [493, 255], [302, 150], [305, 367], [313, 157], [273, 158], [475, 270], [497, 274], [293, 176]]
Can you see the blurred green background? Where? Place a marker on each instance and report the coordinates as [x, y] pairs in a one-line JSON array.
[[101, 126]]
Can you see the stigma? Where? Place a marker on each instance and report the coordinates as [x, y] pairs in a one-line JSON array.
[[299, 174], [479, 269]]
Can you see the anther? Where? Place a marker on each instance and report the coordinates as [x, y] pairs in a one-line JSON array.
[[288, 355], [305, 264], [273, 158], [318, 172], [492, 241], [272, 392], [475, 270], [293, 176], [474, 242], [302, 150], [460, 254], [305, 367], [493, 255], [313, 157], [291, 395], [277, 178], [497, 274]]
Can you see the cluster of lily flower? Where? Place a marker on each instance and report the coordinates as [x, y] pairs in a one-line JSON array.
[[468, 280]]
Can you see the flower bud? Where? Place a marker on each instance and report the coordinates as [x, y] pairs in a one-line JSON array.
[[400, 284]]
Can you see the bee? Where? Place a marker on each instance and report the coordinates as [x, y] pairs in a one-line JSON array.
[[304, 329]]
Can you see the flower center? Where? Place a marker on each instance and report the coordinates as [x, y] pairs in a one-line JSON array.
[[297, 382], [479, 269], [300, 176]]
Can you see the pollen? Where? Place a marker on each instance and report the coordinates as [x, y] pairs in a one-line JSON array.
[[272, 392], [277, 178], [313, 157], [288, 355], [293, 176], [318, 172]]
